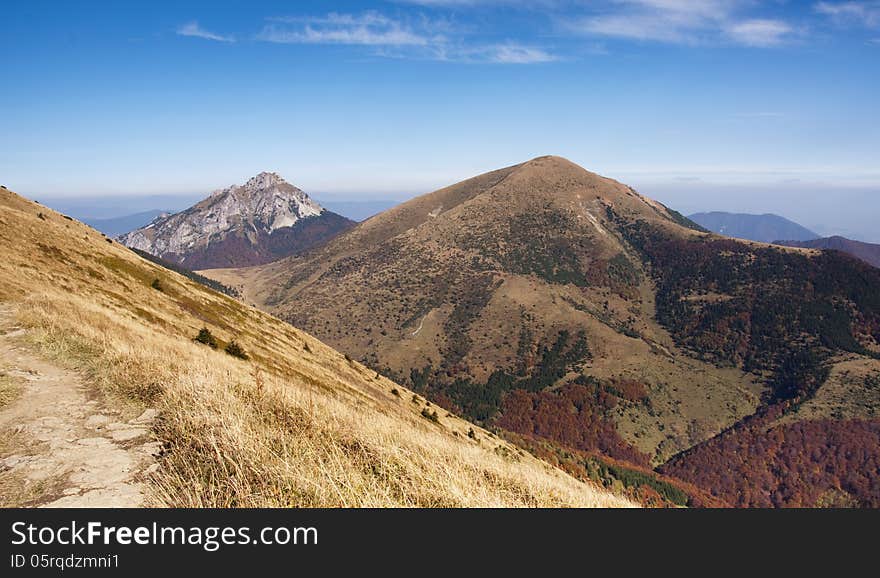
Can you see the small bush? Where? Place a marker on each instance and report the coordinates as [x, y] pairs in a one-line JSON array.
[[156, 284], [41, 216], [236, 350], [395, 392], [472, 434], [306, 347], [205, 336], [430, 415]]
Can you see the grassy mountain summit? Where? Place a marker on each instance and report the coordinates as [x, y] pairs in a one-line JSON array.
[[278, 419], [567, 308]]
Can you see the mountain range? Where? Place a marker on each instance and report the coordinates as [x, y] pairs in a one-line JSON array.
[[265, 219], [597, 327], [781, 231], [764, 228], [867, 252], [116, 226]]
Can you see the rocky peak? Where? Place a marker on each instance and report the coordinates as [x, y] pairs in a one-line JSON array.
[[263, 181], [265, 203]]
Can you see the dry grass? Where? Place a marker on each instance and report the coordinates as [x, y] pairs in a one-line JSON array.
[[237, 438], [10, 389], [297, 425], [17, 491]]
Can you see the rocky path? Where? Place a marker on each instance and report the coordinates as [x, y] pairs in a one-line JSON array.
[[59, 445]]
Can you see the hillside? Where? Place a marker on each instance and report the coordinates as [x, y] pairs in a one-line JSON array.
[[763, 228], [566, 309], [867, 252], [265, 219], [289, 422]]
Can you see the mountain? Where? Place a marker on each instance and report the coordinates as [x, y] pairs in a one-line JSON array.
[[117, 226], [867, 252], [603, 330], [359, 210], [279, 419], [88, 208], [764, 228], [263, 220]]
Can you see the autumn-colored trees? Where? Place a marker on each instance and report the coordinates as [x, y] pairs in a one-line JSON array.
[[804, 464], [571, 416]]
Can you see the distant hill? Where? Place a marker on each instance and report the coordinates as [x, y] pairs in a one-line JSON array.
[[116, 226], [764, 228], [263, 220], [867, 252], [359, 210]]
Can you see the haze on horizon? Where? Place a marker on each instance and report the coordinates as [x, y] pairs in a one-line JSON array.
[[705, 105]]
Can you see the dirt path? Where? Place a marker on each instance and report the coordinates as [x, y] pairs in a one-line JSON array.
[[59, 447], [421, 324]]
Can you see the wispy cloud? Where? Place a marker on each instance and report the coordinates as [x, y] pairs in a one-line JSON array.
[[421, 38], [760, 33], [852, 13], [369, 29], [516, 54], [682, 22], [478, 3], [193, 29]]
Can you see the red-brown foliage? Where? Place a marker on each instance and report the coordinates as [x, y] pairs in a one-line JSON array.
[[576, 463], [805, 464], [570, 416], [629, 389]]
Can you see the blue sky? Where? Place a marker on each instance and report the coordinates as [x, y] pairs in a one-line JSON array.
[[730, 104]]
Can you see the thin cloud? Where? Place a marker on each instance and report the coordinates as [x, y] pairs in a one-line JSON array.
[[516, 54], [682, 22], [508, 53], [865, 14], [193, 29], [369, 29], [421, 38], [477, 3], [760, 33]]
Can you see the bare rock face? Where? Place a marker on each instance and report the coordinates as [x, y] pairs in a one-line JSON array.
[[265, 219]]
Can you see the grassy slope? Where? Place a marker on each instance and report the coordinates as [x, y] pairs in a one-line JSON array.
[[298, 425]]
